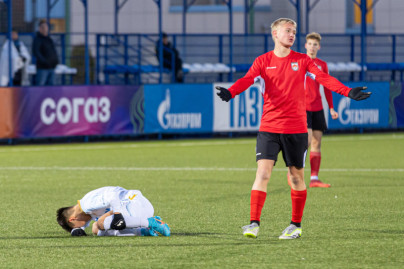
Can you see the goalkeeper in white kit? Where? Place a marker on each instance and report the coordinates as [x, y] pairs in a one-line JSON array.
[[116, 212]]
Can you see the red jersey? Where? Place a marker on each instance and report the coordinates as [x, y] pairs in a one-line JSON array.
[[313, 96], [283, 89]]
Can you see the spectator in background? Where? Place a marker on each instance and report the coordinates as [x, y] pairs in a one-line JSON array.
[[20, 59], [46, 56], [170, 56]]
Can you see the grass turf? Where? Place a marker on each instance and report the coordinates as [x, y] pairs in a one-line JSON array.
[[202, 189]]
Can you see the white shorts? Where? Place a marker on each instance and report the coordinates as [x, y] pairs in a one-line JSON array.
[[134, 204]]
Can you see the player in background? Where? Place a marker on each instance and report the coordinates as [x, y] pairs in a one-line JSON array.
[[126, 209], [316, 123], [284, 121]]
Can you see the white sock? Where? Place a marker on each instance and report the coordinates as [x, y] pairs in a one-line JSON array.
[[135, 222], [131, 222], [101, 233], [107, 222], [314, 178], [125, 232]]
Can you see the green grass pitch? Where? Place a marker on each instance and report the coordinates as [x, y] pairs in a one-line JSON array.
[[202, 189]]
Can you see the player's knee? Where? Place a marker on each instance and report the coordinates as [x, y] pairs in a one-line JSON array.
[[118, 222], [296, 180], [296, 177], [263, 175]]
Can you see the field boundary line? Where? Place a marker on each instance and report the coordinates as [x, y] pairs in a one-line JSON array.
[[169, 144], [235, 169]]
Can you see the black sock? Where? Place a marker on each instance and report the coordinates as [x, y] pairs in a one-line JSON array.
[[297, 224], [255, 221]]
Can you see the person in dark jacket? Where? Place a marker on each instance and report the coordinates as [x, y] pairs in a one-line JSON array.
[[170, 52], [46, 56]]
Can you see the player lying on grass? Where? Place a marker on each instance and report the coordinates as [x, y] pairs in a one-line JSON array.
[[284, 122], [113, 209]]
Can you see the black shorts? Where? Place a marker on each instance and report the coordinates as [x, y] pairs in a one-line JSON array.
[[293, 147], [316, 120]]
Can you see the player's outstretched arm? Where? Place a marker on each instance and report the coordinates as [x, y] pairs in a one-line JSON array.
[[357, 94], [223, 93]]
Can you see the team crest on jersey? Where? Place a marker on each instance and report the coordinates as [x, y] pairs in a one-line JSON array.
[[295, 66], [319, 67]]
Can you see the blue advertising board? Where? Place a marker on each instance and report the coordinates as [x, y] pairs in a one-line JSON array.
[[398, 107], [370, 113], [178, 108], [243, 112]]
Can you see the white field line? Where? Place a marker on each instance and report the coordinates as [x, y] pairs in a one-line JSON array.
[[135, 145], [125, 146], [216, 169]]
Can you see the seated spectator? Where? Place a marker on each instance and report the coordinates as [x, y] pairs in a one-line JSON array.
[[20, 59], [169, 52]]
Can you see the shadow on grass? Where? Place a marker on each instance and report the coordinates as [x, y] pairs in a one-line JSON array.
[[198, 234], [50, 235], [383, 231], [217, 239], [118, 243]]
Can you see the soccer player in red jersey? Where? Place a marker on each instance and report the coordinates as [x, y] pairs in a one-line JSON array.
[[281, 73], [316, 123]]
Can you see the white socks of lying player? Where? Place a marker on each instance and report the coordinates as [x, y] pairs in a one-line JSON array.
[[131, 222], [125, 232]]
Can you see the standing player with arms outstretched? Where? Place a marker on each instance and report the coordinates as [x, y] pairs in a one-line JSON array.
[[316, 123], [283, 123]]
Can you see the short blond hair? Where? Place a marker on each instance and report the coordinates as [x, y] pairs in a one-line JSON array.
[[279, 22], [315, 36]]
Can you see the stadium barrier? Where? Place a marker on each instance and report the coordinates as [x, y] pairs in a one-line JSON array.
[[60, 69], [205, 68], [57, 111]]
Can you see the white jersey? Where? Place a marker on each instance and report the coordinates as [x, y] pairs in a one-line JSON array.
[[98, 202]]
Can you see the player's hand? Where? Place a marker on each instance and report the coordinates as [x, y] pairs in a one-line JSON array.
[[334, 114], [223, 93], [357, 94], [78, 232]]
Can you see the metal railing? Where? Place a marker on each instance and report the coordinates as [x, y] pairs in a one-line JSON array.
[[139, 50]]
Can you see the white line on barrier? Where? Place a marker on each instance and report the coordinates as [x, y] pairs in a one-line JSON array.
[[235, 169]]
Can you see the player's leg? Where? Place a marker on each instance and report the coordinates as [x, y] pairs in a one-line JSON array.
[[128, 232], [258, 196], [298, 195], [294, 150], [319, 126], [141, 211], [266, 155], [310, 135]]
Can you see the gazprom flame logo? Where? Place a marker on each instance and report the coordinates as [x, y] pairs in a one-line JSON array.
[[169, 120], [356, 116], [163, 110]]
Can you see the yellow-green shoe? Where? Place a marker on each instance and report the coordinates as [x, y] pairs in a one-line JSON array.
[[291, 232], [251, 231]]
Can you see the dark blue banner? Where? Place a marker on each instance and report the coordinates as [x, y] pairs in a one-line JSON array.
[[178, 108], [398, 106], [370, 113]]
